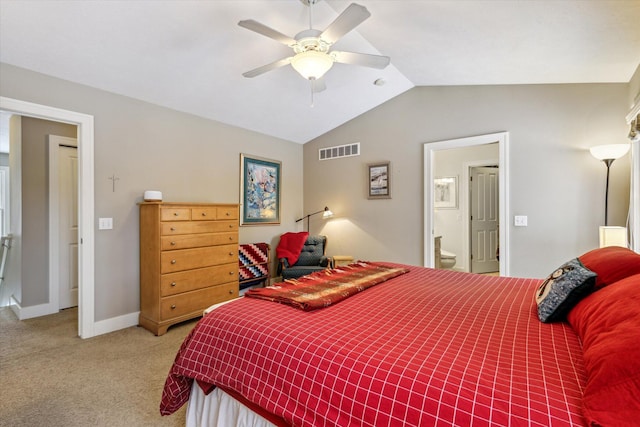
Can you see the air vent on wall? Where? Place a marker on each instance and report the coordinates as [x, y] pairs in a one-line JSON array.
[[338, 151]]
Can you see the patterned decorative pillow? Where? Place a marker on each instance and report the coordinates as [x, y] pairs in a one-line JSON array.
[[563, 289]]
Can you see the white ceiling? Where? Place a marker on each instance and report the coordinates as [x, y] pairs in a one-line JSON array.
[[190, 55]]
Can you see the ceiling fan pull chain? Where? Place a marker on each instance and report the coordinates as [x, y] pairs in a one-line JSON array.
[[311, 85]]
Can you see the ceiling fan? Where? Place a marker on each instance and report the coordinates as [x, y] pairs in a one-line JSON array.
[[312, 55]]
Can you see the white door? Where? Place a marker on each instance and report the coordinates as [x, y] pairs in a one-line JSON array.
[[68, 225], [484, 219]]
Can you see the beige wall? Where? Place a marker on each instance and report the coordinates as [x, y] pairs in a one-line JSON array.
[[148, 147], [554, 179]]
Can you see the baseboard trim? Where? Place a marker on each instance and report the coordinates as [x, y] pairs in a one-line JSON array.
[[116, 323], [100, 327], [32, 311], [15, 306]]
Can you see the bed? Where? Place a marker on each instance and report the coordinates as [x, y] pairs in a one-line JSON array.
[[423, 348]]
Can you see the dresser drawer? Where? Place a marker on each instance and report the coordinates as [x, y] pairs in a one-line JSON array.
[[175, 214], [192, 227], [188, 259], [189, 302], [227, 212], [204, 214], [184, 241], [185, 281]]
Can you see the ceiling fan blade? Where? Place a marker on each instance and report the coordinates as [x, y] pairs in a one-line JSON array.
[[350, 18], [259, 28], [261, 70], [363, 59]]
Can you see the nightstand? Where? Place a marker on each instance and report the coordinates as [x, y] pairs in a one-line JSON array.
[[342, 260]]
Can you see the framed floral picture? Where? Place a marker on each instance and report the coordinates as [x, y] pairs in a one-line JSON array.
[[379, 180], [260, 183], [445, 192]]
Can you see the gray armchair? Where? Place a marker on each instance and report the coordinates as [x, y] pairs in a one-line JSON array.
[[312, 258]]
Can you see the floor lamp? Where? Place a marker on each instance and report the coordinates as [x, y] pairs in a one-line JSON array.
[[326, 213], [608, 153], [610, 236]]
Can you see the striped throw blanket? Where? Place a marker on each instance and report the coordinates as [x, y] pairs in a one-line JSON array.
[[327, 287]]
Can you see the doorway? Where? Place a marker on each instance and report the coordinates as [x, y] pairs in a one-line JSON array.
[[86, 262], [430, 151]]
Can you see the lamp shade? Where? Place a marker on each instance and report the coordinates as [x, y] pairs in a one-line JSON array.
[[613, 236], [327, 213], [610, 151], [312, 64]]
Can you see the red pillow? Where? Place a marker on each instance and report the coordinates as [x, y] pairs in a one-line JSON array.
[[291, 245], [611, 264], [608, 323]]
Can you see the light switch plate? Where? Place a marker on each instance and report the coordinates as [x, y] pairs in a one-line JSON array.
[[105, 223], [520, 220]]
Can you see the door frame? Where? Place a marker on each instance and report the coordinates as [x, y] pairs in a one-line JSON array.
[[6, 219], [635, 196], [502, 138], [54, 218], [86, 250], [634, 204]]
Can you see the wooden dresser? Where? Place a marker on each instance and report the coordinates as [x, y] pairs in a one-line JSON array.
[[188, 260]]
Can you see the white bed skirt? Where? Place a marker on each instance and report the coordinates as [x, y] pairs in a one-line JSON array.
[[221, 410]]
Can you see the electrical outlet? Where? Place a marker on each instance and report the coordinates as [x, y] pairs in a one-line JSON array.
[[105, 223], [520, 220]]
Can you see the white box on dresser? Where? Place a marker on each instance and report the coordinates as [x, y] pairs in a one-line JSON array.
[[188, 260]]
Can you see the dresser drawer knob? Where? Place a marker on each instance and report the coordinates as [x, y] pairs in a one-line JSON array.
[[173, 306], [173, 229], [231, 273], [231, 291], [173, 261], [230, 253], [204, 214], [227, 214], [230, 226], [173, 243], [175, 214], [173, 284], [231, 238]]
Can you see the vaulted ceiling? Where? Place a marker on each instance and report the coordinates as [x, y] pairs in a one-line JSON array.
[[190, 55]]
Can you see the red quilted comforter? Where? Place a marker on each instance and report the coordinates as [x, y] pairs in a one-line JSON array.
[[428, 348]]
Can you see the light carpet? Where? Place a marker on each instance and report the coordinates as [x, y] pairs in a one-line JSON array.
[[51, 377]]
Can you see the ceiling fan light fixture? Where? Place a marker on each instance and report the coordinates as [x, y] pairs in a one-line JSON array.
[[312, 64]]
